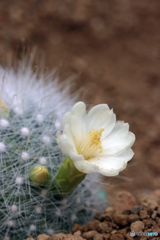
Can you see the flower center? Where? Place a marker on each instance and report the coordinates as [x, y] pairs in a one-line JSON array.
[[91, 144]]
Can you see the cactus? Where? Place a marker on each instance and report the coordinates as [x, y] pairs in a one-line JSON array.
[[31, 108]]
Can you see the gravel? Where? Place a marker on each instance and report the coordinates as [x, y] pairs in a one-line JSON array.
[[116, 224]]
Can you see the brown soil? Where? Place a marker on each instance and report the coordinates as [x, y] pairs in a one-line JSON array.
[[118, 224], [113, 47]]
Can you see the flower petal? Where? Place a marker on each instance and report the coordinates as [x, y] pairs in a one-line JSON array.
[[79, 110], [112, 165], [118, 140], [111, 172], [68, 133], [101, 116], [75, 156], [66, 119], [65, 145], [86, 166], [78, 129], [120, 127], [76, 120]]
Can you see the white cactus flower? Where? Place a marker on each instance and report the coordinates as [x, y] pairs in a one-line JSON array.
[[96, 142]]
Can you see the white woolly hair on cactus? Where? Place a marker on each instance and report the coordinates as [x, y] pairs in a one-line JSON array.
[[32, 105]]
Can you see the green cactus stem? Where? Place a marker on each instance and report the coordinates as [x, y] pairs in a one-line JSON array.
[[67, 177]]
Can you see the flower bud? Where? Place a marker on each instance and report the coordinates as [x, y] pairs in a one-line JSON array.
[[39, 175]]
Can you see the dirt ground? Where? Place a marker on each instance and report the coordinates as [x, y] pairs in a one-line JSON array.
[[113, 47]]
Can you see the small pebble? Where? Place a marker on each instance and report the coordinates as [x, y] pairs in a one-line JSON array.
[[133, 218], [137, 209], [121, 219], [89, 235], [104, 226], [98, 236], [128, 237], [154, 215], [42, 237], [109, 211], [123, 231], [114, 231], [137, 226], [106, 216], [143, 214], [77, 227], [97, 216], [117, 236], [158, 211], [149, 222], [92, 226], [150, 203], [106, 236], [77, 233]]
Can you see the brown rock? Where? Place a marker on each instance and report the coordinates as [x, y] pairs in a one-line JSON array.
[[61, 236], [143, 214], [149, 211], [121, 219], [158, 211], [98, 236], [128, 236], [124, 201], [114, 231], [127, 212], [104, 227], [143, 238], [77, 233], [156, 229], [30, 238], [148, 223], [136, 209], [97, 216], [148, 230], [154, 215], [71, 237], [117, 236], [137, 226], [43, 237], [133, 218], [155, 238], [150, 203], [106, 236], [90, 234], [105, 216], [58, 236], [123, 231], [77, 227], [94, 225], [109, 211], [158, 221], [113, 225]]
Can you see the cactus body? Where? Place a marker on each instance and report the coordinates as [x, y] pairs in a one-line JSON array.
[[32, 106]]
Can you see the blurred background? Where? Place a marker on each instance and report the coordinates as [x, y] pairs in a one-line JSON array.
[[113, 47]]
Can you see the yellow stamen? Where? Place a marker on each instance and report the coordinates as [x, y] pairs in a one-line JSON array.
[[91, 144], [95, 136]]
